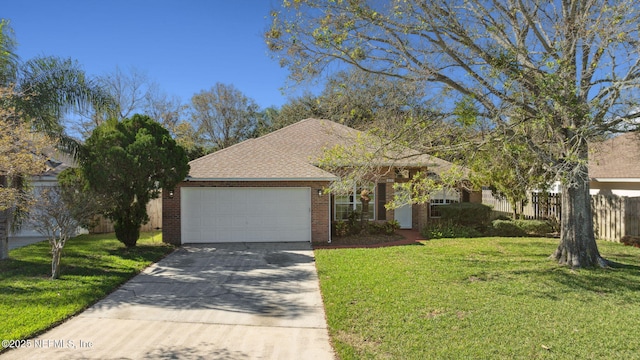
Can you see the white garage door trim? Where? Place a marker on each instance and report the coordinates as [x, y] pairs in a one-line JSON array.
[[245, 214]]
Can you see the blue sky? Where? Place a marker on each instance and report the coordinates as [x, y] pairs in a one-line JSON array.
[[185, 46]]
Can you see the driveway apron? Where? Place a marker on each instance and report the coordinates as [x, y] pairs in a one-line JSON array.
[[214, 301]]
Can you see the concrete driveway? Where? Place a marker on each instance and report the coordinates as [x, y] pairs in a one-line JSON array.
[[216, 301]]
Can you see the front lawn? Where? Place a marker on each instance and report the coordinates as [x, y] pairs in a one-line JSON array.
[[484, 298], [92, 266]]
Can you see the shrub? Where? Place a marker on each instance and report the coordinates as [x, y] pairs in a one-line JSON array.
[[353, 223], [534, 227], [518, 228], [341, 228], [501, 217], [631, 240], [390, 227], [387, 227], [448, 229], [466, 214], [506, 228], [353, 227]]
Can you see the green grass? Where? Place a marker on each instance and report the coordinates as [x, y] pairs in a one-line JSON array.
[[484, 298], [92, 266]]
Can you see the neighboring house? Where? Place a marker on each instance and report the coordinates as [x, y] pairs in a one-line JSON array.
[[48, 178], [614, 166], [271, 189]]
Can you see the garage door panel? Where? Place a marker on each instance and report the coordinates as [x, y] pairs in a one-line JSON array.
[[245, 214]]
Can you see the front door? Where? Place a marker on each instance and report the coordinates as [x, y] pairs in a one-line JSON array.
[[404, 216]]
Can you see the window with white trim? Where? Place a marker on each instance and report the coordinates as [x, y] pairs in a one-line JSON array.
[[344, 205], [441, 197]]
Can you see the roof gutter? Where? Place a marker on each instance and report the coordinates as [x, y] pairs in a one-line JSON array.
[[631, 180], [192, 179]]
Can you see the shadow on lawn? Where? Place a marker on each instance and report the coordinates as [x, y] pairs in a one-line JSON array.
[[140, 252], [23, 268], [76, 266], [623, 278], [617, 279]]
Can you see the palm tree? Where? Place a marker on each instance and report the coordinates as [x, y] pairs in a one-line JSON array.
[[46, 89], [8, 57], [50, 87]]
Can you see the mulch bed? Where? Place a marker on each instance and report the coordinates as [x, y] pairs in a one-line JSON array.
[[364, 241]]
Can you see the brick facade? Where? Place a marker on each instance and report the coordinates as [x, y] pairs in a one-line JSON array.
[[320, 205], [419, 212]]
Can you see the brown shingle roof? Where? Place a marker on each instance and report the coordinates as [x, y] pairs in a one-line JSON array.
[[253, 159], [618, 157], [289, 153]]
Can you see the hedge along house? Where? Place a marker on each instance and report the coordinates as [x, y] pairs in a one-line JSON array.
[[272, 189]]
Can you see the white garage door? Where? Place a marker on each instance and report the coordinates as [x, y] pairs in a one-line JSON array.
[[245, 214]]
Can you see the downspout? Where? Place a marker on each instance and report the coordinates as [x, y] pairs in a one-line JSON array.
[[329, 217], [329, 210]]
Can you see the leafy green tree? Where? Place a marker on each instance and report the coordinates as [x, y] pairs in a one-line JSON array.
[[128, 163], [187, 137], [302, 107], [511, 171], [559, 73], [360, 100], [266, 118]]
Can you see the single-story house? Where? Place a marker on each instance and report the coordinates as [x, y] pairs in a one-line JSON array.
[[46, 179], [58, 162], [614, 166], [272, 189]]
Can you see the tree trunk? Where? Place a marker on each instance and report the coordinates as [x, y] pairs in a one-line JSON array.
[[127, 232], [55, 261], [4, 234], [4, 226], [577, 247], [364, 216]]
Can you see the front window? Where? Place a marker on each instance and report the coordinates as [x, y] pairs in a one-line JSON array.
[[347, 204], [442, 197]]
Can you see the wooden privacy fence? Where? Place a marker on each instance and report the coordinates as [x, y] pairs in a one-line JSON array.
[[613, 216], [154, 210], [538, 205]]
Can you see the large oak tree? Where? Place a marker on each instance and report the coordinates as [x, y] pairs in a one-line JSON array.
[[557, 74]]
